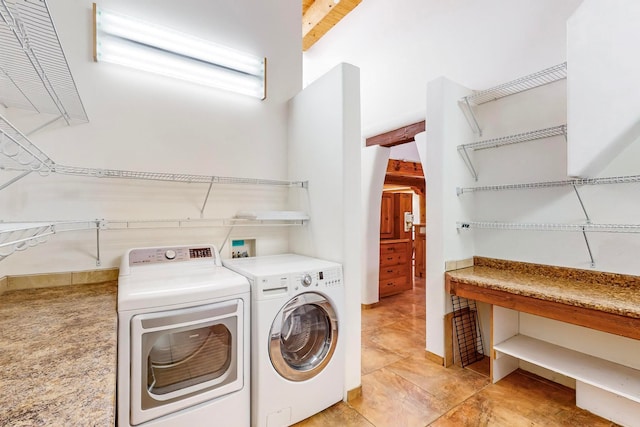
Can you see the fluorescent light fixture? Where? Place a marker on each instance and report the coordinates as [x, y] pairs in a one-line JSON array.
[[127, 41]]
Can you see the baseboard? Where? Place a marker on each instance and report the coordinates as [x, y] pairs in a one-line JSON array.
[[354, 393], [434, 358], [47, 280], [3, 284], [369, 306]]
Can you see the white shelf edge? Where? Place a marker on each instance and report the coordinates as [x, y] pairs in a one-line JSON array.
[[601, 228], [623, 179], [613, 377], [533, 135]]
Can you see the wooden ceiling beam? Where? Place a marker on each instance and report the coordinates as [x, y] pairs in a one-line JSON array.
[[321, 16], [402, 168], [416, 183], [397, 136]]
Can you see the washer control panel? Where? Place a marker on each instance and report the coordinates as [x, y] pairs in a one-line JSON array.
[[287, 284], [319, 279], [170, 254]]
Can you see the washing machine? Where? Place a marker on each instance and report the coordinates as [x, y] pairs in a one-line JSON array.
[[298, 349], [183, 339]]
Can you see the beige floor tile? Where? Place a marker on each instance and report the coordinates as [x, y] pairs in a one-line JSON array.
[[451, 385], [340, 414], [390, 400], [374, 356]]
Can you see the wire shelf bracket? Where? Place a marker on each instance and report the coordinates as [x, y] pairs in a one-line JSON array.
[[522, 84], [534, 135]]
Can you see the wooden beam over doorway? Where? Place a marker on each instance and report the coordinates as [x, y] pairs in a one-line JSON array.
[[397, 136]]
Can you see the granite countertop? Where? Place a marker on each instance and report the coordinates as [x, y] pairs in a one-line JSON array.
[[58, 356], [608, 292]]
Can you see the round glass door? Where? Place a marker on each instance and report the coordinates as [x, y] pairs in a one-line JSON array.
[[303, 337]]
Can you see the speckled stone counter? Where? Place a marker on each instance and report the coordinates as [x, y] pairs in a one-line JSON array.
[[586, 297], [58, 356]]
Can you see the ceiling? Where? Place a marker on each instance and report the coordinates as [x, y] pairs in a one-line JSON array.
[[320, 16]]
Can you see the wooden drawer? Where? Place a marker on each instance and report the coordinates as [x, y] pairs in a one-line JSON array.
[[393, 259], [392, 271], [392, 286], [393, 248]]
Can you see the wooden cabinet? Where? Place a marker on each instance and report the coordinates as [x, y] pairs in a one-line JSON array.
[[395, 266], [402, 202], [420, 243], [386, 216]]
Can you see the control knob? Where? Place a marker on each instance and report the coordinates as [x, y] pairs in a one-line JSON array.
[[306, 280], [170, 254]]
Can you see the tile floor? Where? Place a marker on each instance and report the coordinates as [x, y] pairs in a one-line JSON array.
[[400, 387]]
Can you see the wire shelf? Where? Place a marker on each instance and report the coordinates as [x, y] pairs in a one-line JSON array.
[[34, 72], [534, 135], [604, 228], [516, 139], [168, 177], [540, 78], [626, 179]]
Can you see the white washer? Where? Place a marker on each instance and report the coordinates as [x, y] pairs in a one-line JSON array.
[[298, 349], [183, 339]]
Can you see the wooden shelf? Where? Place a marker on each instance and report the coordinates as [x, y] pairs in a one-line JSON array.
[[600, 373]]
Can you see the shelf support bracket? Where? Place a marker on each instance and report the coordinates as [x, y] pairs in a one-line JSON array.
[[206, 198], [470, 116], [575, 188], [99, 225], [14, 179], [467, 161], [586, 240]]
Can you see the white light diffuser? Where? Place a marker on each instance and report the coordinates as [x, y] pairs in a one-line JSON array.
[[137, 44]]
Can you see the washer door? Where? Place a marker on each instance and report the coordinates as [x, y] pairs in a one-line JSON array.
[[303, 337]]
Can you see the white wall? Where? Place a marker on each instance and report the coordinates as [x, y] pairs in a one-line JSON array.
[[324, 148], [150, 123], [400, 46], [603, 83], [374, 166], [444, 171]]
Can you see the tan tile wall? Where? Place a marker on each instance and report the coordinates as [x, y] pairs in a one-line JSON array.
[[32, 281], [458, 264]]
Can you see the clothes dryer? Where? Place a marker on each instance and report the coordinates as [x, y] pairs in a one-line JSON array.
[[298, 349], [183, 339]]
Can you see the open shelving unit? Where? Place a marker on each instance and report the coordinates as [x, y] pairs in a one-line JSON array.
[[600, 373], [529, 82]]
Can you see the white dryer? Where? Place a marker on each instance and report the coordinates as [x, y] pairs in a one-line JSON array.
[[183, 339], [298, 349]]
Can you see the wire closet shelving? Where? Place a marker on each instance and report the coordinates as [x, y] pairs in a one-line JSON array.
[[34, 72], [532, 81]]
